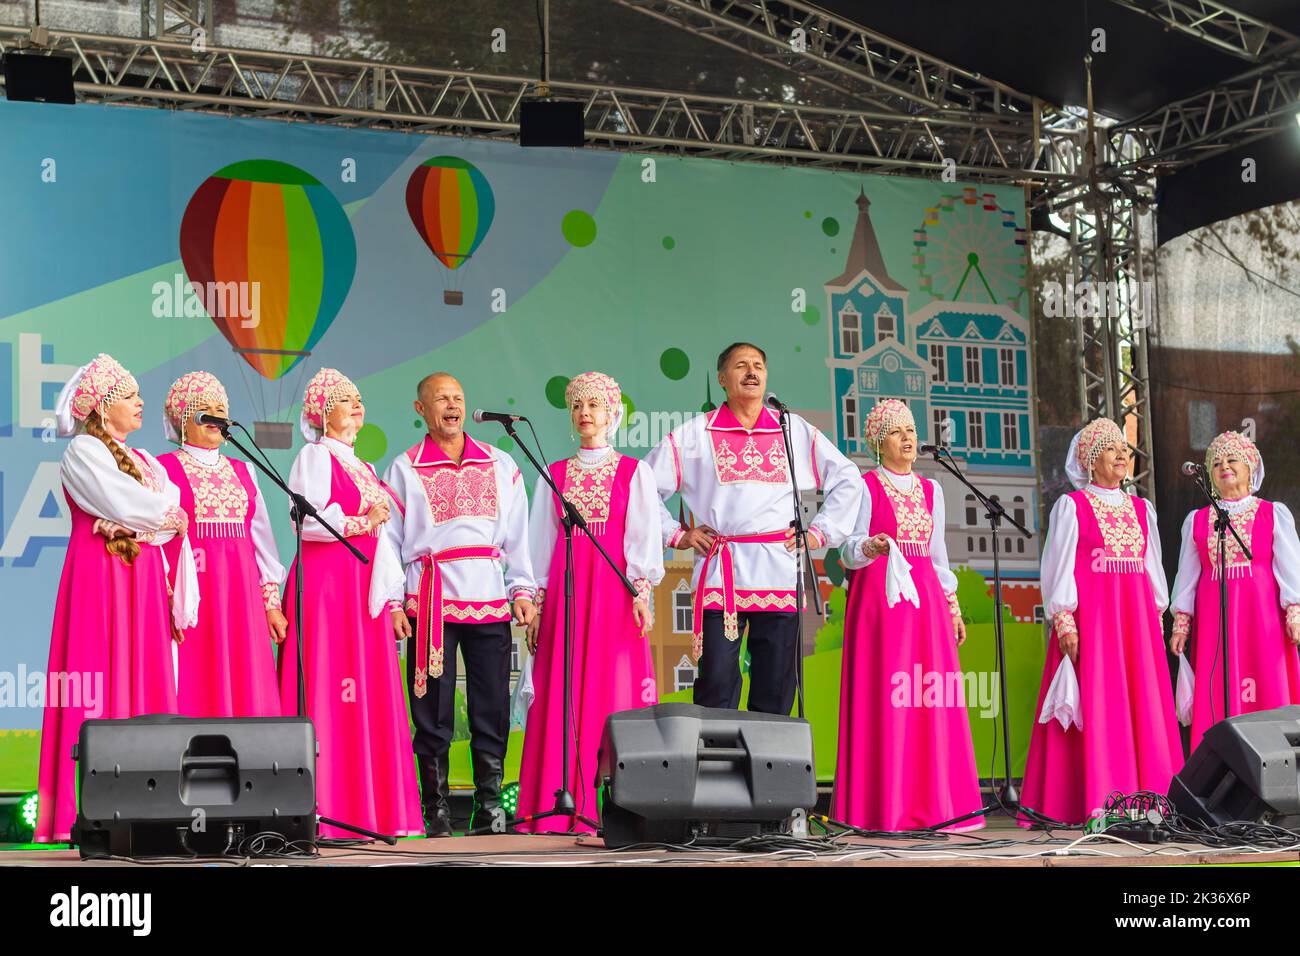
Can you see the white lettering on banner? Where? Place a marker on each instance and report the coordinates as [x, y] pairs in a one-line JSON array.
[[32, 374], [28, 523]]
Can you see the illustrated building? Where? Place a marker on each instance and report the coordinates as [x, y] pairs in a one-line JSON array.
[[670, 636], [964, 369]]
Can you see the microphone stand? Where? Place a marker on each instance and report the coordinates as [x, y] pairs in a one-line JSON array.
[[300, 509], [1222, 522], [804, 558], [1008, 798], [565, 805]]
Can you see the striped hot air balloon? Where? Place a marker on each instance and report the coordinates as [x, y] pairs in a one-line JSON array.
[[451, 206], [274, 229]]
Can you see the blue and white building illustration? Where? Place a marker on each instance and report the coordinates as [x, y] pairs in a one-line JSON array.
[[963, 366]]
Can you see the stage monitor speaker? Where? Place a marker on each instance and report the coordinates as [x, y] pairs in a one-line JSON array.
[[35, 78], [551, 123], [163, 785], [1245, 770], [677, 772]]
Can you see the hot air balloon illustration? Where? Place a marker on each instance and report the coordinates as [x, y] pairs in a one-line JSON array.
[[267, 234], [451, 206]]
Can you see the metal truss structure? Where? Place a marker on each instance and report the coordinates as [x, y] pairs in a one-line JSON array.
[[895, 109], [1112, 246], [177, 19], [1232, 31], [1247, 107], [182, 73]]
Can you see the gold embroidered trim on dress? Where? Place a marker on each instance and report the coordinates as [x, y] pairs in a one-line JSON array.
[[1121, 533], [1244, 522], [915, 523], [590, 487]]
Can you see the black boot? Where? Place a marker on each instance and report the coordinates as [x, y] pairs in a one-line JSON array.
[[435, 795], [488, 769]]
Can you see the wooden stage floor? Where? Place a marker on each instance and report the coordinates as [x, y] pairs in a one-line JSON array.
[[999, 844]]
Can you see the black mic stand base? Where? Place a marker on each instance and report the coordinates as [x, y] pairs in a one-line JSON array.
[[565, 806], [390, 840]]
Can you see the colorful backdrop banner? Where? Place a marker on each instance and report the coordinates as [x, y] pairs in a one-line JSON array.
[[263, 251]]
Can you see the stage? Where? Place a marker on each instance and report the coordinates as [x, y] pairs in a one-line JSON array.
[[999, 845]]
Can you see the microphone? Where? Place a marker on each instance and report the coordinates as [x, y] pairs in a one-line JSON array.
[[203, 418], [929, 449], [773, 402], [1191, 469], [505, 419]]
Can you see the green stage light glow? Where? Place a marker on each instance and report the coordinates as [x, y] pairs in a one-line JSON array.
[[510, 798], [27, 810]]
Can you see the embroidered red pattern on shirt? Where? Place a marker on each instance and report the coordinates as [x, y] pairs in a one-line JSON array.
[[753, 599], [460, 611], [758, 457], [469, 491]]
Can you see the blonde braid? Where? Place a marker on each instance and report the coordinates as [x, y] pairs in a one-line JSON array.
[[124, 548]]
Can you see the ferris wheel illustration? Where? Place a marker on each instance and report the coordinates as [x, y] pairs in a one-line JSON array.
[[968, 249]]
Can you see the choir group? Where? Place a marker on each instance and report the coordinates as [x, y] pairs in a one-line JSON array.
[[172, 589]]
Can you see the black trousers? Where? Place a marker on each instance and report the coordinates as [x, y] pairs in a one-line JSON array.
[[771, 642], [486, 649]]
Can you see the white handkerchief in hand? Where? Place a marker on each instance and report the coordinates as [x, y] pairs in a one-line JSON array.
[[387, 582], [1185, 693], [1062, 700], [898, 578], [185, 593], [523, 696]]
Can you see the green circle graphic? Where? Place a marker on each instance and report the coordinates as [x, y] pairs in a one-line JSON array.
[[555, 391], [579, 228], [371, 443], [675, 364]]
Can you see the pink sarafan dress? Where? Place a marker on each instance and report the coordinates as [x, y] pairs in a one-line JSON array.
[[905, 760], [227, 660], [612, 665], [111, 649], [1263, 594], [1101, 571], [365, 772]]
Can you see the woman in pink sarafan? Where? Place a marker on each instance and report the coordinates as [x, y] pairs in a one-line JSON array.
[[112, 650], [1263, 593], [365, 772], [227, 660], [1105, 592], [612, 665], [905, 761]]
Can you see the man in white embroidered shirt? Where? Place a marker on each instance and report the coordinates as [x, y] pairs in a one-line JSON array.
[[463, 538], [731, 468]]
